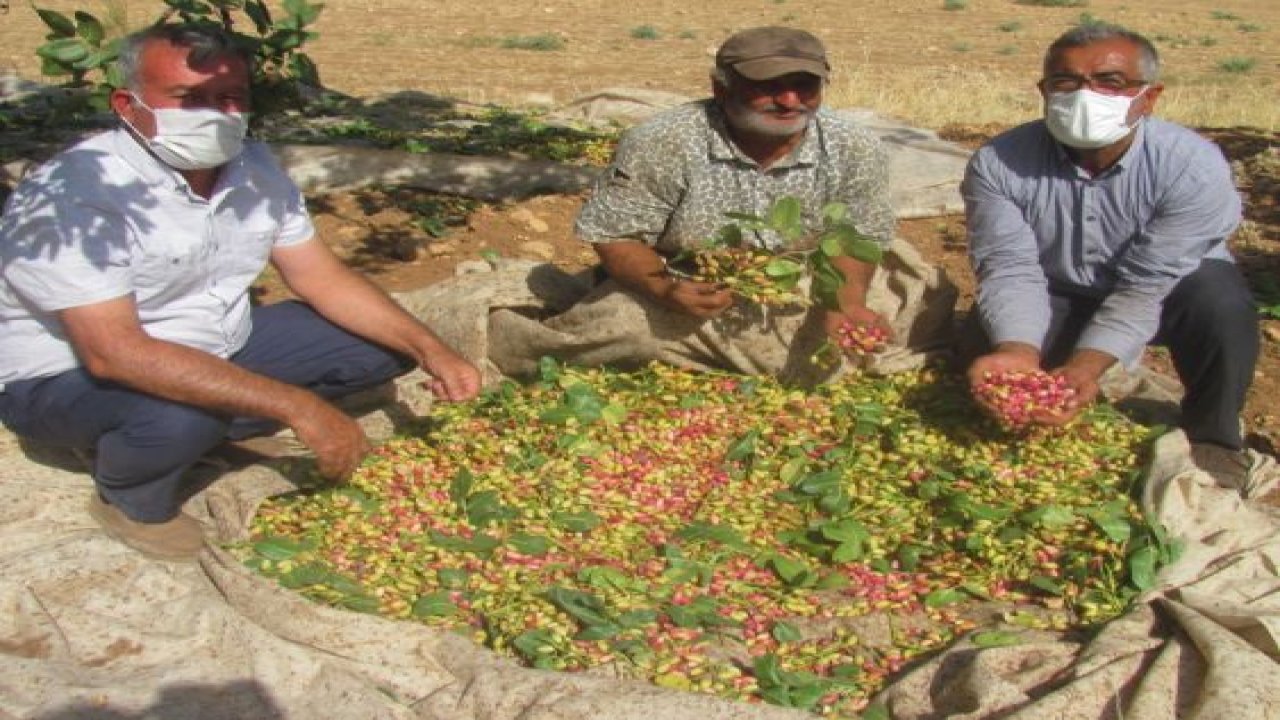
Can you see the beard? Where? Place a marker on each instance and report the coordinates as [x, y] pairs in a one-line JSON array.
[[772, 120]]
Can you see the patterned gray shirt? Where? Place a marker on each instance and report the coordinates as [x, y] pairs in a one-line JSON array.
[[1037, 221], [674, 177]]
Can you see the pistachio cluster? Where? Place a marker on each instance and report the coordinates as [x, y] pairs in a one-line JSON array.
[[1016, 396], [721, 533], [861, 338], [745, 271]]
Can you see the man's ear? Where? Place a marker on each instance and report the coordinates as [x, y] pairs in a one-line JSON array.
[[121, 101], [1150, 97]]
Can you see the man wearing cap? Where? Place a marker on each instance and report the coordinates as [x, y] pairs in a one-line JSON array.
[[761, 136]]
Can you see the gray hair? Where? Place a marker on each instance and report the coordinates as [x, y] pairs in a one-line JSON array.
[[205, 41], [1091, 33], [721, 77]]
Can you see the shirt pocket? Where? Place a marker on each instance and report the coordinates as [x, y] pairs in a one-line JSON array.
[[236, 261]]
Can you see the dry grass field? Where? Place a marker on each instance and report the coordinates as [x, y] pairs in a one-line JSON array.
[[932, 62]]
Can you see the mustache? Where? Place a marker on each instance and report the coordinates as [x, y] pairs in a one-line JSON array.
[[776, 108]]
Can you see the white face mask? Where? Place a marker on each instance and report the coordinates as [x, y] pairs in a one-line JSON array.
[[1089, 120], [196, 139]]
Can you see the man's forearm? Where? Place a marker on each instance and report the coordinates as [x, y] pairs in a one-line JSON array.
[[193, 377], [635, 266], [857, 282]]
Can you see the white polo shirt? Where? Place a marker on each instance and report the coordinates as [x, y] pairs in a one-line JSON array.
[[105, 219]]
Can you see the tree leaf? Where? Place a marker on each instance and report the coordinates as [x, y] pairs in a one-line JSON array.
[[996, 638], [744, 447], [64, 50], [60, 24], [1142, 567], [89, 28], [435, 604], [278, 548], [944, 596], [527, 544], [785, 632], [786, 216], [579, 522]]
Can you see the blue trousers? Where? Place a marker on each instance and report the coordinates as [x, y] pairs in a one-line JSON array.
[[1209, 323], [144, 444]]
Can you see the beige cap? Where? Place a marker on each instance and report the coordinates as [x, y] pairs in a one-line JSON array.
[[765, 53]]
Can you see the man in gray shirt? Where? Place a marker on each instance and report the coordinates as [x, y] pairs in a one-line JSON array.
[[1099, 230]]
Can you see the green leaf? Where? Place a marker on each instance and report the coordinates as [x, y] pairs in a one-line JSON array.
[[1050, 516], [726, 535], [478, 544], [768, 670], [527, 544], [453, 578], [307, 575], [819, 483], [604, 577], [786, 217], [435, 604], [632, 619], [996, 638], [460, 487], [744, 447], [847, 552], [613, 414], [807, 695], [584, 607], [1047, 584], [834, 213], [793, 572], [785, 632], [89, 28], [53, 68], [579, 522], [846, 530], [909, 557], [64, 50], [1142, 566], [259, 15], [602, 631], [1116, 527], [486, 508], [533, 644], [60, 24], [360, 603], [944, 596], [783, 268], [278, 548], [304, 11]]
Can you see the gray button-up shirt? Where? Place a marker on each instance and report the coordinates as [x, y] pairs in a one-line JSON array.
[[674, 177], [1126, 236]]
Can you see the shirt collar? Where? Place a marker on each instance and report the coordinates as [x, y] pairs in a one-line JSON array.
[[721, 147], [1127, 159], [160, 176]]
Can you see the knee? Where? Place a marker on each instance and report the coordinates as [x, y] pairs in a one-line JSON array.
[[1215, 299], [161, 436]]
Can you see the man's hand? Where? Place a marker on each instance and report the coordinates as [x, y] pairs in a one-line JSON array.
[[699, 299], [453, 377], [1007, 357], [1082, 373], [854, 315], [337, 441]]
